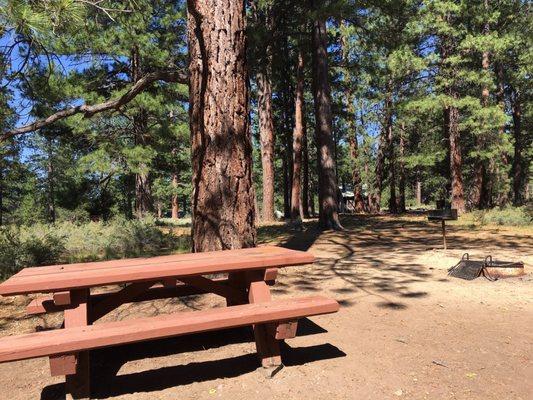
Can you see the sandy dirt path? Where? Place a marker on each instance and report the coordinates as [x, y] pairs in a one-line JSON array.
[[405, 329]]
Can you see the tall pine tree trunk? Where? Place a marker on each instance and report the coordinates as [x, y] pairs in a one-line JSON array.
[[401, 170], [223, 211], [297, 139], [266, 125], [520, 168], [144, 202], [175, 206], [375, 198], [1, 196], [393, 201], [480, 195], [327, 183], [305, 174], [287, 115], [451, 127], [359, 204], [384, 148], [503, 195], [50, 180], [451, 130]]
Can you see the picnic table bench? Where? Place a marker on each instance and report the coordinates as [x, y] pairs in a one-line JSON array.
[[249, 273]]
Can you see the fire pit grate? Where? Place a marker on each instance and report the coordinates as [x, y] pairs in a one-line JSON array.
[[491, 269]]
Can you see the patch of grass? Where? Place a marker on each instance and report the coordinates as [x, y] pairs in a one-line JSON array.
[[68, 242], [507, 216], [171, 222]]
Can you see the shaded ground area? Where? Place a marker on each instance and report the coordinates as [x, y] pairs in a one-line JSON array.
[[405, 329]]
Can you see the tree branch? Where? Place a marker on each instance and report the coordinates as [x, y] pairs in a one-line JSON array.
[[89, 110]]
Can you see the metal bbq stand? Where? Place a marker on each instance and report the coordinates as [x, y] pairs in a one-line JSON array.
[[443, 214]]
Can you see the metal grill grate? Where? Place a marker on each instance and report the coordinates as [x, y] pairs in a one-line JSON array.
[[470, 269]]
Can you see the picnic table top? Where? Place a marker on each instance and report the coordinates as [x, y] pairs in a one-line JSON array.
[[56, 278]]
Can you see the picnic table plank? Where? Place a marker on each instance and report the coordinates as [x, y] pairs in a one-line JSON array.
[[73, 276], [65, 341]]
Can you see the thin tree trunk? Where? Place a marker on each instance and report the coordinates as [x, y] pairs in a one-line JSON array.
[[480, 195], [503, 196], [375, 199], [223, 212], [266, 134], [305, 174], [327, 184], [144, 202], [384, 149], [451, 132], [519, 169], [297, 139], [50, 178], [175, 198], [288, 148], [451, 126], [418, 193], [401, 170], [1, 196], [393, 201], [359, 204]]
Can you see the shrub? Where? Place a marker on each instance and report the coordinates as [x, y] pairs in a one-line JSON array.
[[512, 216], [67, 242], [20, 248]]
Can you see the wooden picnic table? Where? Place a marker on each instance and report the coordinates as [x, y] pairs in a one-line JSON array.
[[70, 288]]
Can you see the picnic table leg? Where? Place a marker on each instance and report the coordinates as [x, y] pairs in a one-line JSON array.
[[78, 385], [267, 345], [238, 281]]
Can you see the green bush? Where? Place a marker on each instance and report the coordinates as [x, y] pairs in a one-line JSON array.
[[511, 216], [20, 248], [68, 242]]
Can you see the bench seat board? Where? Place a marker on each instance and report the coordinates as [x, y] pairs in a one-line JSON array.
[[67, 277], [75, 339]]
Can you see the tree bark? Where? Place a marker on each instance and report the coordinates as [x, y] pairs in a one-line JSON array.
[[175, 198], [375, 197], [503, 195], [267, 136], [519, 168], [384, 150], [451, 126], [418, 193], [327, 183], [359, 204], [50, 179], [223, 212], [393, 201], [1, 196], [297, 139], [305, 174], [479, 196], [401, 170], [451, 132], [144, 202]]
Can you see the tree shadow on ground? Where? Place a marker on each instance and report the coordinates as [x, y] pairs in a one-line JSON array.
[[377, 256], [106, 363]]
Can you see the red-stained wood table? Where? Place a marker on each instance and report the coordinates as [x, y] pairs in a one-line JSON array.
[[247, 274]]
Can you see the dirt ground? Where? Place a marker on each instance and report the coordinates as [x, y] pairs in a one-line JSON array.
[[405, 329]]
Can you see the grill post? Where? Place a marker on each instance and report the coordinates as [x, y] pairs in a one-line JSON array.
[[444, 232]]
